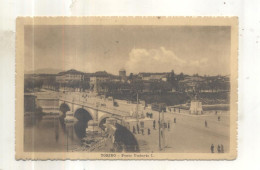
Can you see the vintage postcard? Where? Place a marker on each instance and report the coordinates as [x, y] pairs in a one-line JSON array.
[[150, 88]]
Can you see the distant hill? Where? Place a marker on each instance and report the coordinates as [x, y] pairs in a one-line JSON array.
[[71, 71], [44, 71]]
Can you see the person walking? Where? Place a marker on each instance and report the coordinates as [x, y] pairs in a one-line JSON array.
[[133, 130], [219, 150], [138, 130], [212, 148], [154, 124], [206, 123], [168, 125], [218, 118], [222, 148], [148, 131], [174, 120]]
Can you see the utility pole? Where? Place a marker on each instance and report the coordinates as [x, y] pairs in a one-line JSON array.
[[163, 137], [160, 147], [137, 100], [67, 140], [160, 108], [161, 128]]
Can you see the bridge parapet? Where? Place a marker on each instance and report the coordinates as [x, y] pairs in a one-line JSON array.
[[94, 106]]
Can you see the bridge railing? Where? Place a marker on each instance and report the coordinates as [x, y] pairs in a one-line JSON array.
[[84, 102]]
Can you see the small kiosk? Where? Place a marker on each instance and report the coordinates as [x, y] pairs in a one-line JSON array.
[[196, 107]]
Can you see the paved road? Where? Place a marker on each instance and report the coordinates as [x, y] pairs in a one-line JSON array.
[[188, 134]]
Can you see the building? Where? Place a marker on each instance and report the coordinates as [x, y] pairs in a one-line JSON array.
[[153, 76], [70, 75], [97, 78], [122, 73], [190, 83]]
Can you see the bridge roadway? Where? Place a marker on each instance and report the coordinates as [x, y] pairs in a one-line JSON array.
[[94, 106]]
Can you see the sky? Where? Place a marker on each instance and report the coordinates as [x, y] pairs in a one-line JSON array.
[[189, 49]]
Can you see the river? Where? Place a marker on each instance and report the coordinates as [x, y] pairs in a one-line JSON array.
[[48, 132], [51, 134]]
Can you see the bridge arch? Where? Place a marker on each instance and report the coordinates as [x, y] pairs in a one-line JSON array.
[[83, 114], [102, 121], [125, 140], [83, 117]]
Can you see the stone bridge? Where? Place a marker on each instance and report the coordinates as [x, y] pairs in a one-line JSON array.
[[86, 109], [83, 110]]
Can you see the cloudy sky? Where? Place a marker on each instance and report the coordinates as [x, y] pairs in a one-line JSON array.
[[187, 49]]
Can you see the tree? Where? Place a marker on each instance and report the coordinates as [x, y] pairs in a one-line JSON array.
[[85, 85], [137, 86], [160, 87], [172, 79], [180, 77], [131, 76]]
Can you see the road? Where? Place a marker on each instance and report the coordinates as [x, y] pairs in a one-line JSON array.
[[188, 134]]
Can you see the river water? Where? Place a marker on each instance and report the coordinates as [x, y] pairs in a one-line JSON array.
[[47, 134]]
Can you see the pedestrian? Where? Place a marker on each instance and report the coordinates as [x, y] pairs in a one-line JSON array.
[[222, 148], [174, 120], [219, 150], [168, 125], [206, 123], [151, 115], [154, 124], [148, 131], [138, 130], [212, 148], [218, 118], [216, 112], [133, 130]]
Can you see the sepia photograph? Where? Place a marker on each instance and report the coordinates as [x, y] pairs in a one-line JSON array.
[[126, 88]]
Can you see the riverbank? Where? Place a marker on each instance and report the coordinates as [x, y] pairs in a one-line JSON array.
[[95, 142]]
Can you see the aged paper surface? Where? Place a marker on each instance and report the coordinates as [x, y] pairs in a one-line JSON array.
[[126, 88]]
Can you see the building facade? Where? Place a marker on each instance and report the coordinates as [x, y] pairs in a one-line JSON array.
[[71, 75], [97, 78]]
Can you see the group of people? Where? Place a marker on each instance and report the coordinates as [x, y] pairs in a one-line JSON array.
[[149, 115], [220, 148], [139, 130], [178, 109]]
